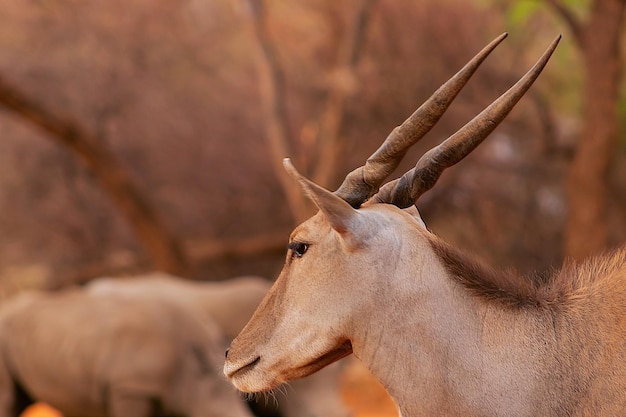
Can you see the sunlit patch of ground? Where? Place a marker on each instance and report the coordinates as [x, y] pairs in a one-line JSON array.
[[40, 410], [361, 392]]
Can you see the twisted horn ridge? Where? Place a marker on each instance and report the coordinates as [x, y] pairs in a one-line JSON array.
[[404, 191], [364, 181]]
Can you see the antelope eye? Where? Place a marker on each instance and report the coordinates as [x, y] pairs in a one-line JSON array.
[[298, 248]]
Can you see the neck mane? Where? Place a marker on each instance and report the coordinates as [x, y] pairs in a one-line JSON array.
[[558, 290], [459, 338]]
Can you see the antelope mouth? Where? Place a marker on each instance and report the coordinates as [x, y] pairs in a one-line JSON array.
[[326, 359], [255, 375]]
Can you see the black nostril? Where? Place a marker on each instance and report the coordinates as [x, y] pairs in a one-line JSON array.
[[226, 353]]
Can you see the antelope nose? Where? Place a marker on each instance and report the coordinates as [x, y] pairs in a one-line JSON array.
[[226, 353]]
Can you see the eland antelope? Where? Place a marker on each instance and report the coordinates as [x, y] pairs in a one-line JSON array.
[[444, 334]]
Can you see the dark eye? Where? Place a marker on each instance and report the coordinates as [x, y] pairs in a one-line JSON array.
[[298, 248]]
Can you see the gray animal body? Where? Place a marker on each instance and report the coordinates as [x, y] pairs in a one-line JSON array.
[[230, 304], [90, 355]]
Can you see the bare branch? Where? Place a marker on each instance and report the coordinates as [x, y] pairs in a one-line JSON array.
[[272, 82], [569, 18], [150, 230], [199, 251], [331, 120]]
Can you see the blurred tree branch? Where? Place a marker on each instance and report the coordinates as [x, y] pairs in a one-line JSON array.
[[328, 138], [198, 250], [162, 246], [275, 118], [273, 96], [574, 24], [599, 41]]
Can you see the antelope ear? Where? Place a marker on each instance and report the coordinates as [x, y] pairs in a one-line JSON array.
[[338, 212]]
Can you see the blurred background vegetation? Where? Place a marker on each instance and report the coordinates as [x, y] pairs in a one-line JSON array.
[[149, 134]]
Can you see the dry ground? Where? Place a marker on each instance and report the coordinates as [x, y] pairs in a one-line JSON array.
[[363, 394], [360, 390]]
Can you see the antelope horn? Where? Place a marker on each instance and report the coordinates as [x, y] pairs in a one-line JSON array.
[[364, 181], [404, 191]]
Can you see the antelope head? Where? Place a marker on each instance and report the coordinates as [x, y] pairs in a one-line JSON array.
[[340, 261]]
